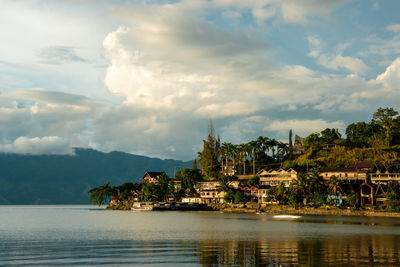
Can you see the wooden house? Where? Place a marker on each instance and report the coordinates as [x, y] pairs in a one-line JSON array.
[[372, 194], [275, 177], [151, 177]]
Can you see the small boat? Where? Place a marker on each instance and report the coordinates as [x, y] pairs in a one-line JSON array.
[[142, 206], [286, 216]]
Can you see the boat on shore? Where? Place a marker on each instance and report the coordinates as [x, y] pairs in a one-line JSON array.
[[142, 206], [284, 216]]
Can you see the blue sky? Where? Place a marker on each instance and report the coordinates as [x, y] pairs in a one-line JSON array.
[[146, 77]]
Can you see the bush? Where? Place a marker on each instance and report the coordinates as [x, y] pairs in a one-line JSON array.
[[229, 197], [239, 197], [319, 199]]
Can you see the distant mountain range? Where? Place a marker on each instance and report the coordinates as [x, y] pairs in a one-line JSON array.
[[64, 179]]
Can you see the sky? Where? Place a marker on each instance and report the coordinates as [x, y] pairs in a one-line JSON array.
[[148, 77]]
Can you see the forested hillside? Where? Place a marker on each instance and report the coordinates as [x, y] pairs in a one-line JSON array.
[[55, 179]]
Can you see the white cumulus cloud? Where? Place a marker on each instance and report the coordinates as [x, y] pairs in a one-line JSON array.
[[54, 145], [303, 127]]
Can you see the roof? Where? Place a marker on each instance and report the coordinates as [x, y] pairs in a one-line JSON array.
[[362, 165], [153, 174], [280, 171], [342, 170]]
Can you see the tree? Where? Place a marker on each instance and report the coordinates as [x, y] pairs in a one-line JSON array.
[[273, 145], [334, 185], [189, 178], [254, 180], [351, 200], [209, 156], [330, 135], [239, 197], [163, 187], [316, 182], [244, 151], [385, 118], [150, 192], [223, 183], [232, 151], [281, 193], [312, 141], [126, 189], [229, 196], [199, 156], [358, 134], [102, 194], [255, 148], [290, 146], [283, 150]]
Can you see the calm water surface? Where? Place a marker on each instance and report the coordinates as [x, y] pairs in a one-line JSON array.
[[86, 235]]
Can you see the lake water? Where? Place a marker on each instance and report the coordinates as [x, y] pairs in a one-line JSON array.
[[86, 235]]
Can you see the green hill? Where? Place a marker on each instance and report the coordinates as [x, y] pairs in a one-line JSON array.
[[64, 179]]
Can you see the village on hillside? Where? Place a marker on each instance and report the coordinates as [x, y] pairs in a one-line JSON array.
[[321, 170]]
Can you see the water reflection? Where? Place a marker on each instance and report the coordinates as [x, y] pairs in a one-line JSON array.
[[78, 236], [361, 251], [364, 251]]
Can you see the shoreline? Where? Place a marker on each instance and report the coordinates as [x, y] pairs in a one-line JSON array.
[[311, 211], [282, 210]]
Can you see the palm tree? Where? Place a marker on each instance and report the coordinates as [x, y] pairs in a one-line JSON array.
[[283, 150], [317, 184], [334, 185], [233, 153], [222, 153], [301, 187], [263, 143], [301, 184], [244, 151], [281, 193], [102, 194], [227, 147], [273, 143], [255, 148], [199, 156]]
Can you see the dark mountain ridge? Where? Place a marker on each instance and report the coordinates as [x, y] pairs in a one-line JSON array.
[[65, 179]]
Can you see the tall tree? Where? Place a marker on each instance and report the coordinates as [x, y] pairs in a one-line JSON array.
[[273, 144], [283, 150], [290, 144], [244, 151], [209, 156], [255, 148], [385, 118], [163, 187]]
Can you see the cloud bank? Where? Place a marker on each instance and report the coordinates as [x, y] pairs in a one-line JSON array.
[[161, 71]]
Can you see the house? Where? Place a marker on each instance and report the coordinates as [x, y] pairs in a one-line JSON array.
[[208, 196], [382, 177], [151, 177], [205, 185], [275, 177], [257, 193], [175, 184], [209, 192], [228, 170], [192, 199], [344, 174], [372, 194], [328, 146]]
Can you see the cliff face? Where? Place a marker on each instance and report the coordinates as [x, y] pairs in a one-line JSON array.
[[55, 179]]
